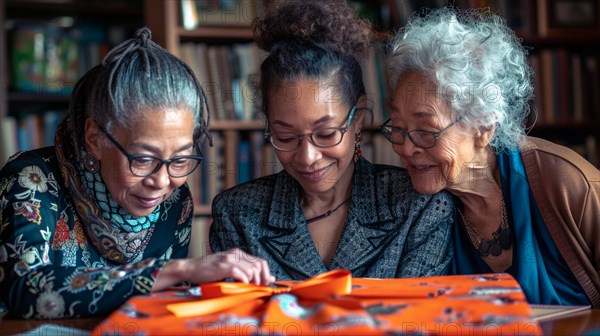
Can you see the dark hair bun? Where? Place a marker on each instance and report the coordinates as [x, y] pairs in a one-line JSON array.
[[332, 24]]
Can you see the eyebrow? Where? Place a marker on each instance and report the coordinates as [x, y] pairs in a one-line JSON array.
[[423, 115], [318, 121], [157, 150]]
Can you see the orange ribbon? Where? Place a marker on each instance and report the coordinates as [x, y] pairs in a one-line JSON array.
[[219, 296]]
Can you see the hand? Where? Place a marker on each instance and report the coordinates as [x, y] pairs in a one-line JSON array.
[[233, 263]]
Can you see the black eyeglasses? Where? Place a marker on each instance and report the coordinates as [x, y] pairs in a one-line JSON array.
[[322, 138], [146, 165], [420, 138]]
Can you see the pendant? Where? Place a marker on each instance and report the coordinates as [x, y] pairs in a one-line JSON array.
[[504, 237], [495, 248], [484, 248]]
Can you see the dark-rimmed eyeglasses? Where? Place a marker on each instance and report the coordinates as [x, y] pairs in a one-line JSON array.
[[420, 138], [322, 138], [146, 165]]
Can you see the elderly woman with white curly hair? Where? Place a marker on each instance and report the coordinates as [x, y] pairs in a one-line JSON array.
[[525, 206]]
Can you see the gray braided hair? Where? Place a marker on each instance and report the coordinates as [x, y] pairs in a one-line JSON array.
[[134, 77]]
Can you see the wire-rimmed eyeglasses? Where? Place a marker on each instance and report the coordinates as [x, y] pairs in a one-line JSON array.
[[420, 138], [322, 138], [145, 165]]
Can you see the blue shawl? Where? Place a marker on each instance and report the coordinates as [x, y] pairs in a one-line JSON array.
[[537, 264]]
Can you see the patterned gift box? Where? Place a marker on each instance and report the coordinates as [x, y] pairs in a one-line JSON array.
[[332, 303]]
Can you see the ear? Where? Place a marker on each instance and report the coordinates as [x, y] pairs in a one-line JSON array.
[[483, 136], [359, 114], [93, 138], [358, 123]]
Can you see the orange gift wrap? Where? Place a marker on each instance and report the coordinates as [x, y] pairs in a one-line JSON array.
[[332, 303]]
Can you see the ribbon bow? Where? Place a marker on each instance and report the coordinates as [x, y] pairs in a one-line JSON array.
[[219, 296]]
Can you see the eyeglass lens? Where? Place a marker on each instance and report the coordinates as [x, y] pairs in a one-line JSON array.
[[326, 137], [419, 138], [148, 165]]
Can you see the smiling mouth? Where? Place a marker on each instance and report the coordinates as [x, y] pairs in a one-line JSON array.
[[315, 175], [149, 202], [421, 168]]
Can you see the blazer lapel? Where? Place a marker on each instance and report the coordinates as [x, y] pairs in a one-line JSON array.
[[287, 238], [369, 228]]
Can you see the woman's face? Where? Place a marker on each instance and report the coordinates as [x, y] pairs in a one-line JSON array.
[[161, 133], [304, 106], [416, 105]]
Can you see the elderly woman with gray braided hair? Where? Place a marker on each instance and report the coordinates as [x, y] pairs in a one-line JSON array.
[[528, 207], [105, 213]]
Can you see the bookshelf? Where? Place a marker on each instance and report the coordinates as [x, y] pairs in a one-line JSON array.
[[577, 131], [67, 38], [5, 148], [565, 57], [234, 134], [3, 84]]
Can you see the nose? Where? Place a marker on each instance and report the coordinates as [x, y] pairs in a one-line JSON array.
[[160, 179], [307, 153], [407, 149]]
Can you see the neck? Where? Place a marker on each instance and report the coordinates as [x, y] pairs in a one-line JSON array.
[[478, 187], [316, 203]]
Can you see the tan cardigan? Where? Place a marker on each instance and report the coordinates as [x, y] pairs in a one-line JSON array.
[[567, 191]]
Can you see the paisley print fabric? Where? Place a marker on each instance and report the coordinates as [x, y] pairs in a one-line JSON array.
[[113, 239], [51, 265]]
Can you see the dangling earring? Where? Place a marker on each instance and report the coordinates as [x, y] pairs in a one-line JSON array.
[[357, 150], [90, 163]]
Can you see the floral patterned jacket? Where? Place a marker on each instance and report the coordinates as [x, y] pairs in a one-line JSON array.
[[48, 267]]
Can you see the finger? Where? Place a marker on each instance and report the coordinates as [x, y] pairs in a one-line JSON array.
[[248, 264], [256, 274], [239, 275], [259, 266], [252, 268], [266, 277]]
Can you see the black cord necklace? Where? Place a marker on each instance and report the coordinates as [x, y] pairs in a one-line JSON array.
[[327, 214]]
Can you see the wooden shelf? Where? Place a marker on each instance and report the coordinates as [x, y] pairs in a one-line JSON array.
[[202, 210], [591, 126], [37, 97], [4, 70], [44, 9], [216, 34], [575, 41]]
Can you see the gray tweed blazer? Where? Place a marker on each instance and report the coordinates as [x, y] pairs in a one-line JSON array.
[[391, 231]]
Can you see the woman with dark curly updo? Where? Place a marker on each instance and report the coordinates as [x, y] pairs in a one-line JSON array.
[[330, 208], [105, 214]]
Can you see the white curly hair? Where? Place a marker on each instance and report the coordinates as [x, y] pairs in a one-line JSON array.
[[478, 65]]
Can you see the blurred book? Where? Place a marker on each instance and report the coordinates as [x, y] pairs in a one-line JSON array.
[[244, 172], [8, 138], [200, 13], [51, 119], [46, 58]]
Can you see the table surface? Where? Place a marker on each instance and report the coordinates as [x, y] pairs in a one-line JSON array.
[[586, 322]]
